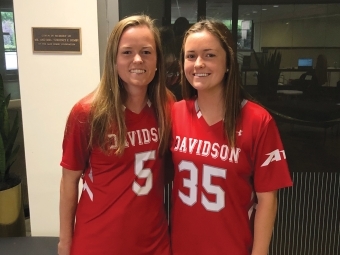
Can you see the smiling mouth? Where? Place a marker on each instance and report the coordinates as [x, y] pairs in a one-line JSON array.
[[137, 71], [201, 74]]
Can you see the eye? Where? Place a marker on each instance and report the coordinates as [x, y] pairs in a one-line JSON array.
[[190, 56], [146, 52], [126, 52], [210, 55]]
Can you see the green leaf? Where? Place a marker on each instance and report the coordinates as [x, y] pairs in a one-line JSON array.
[[11, 159], [5, 124], [2, 89], [2, 160], [7, 99], [8, 135], [12, 135], [2, 114]]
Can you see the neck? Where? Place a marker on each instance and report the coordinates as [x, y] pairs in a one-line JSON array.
[[211, 106], [136, 103]]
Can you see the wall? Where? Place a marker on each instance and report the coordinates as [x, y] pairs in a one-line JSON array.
[[317, 32], [49, 85]]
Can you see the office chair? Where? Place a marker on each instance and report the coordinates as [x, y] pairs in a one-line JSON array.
[[311, 81], [321, 70]]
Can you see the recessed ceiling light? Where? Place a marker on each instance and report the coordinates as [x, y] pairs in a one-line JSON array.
[[254, 11], [275, 6], [264, 9]]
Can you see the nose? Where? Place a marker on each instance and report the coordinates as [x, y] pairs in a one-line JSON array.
[[199, 63], [137, 59]]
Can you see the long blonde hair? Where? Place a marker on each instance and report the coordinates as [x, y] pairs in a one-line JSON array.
[[232, 92], [107, 106]]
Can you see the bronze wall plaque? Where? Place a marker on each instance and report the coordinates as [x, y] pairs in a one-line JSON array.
[[56, 40]]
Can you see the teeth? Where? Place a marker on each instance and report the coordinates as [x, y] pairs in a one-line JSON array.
[[137, 71], [201, 74]]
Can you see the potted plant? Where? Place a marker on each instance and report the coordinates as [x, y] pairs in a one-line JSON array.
[[268, 72], [12, 219]]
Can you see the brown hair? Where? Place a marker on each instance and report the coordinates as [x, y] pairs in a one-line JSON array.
[[107, 107], [232, 93]]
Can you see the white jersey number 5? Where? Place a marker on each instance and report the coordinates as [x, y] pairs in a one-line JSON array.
[[191, 184], [142, 172]]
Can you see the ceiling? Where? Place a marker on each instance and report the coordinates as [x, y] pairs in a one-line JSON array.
[[222, 10]]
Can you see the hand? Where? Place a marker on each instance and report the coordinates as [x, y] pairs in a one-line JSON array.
[[64, 248]]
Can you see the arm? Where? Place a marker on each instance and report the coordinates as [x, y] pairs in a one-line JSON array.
[[67, 208], [264, 221]]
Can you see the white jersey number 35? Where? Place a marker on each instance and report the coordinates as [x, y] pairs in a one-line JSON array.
[[191, 184]]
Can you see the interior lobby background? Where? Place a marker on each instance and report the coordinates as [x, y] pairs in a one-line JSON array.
[[51, 84]]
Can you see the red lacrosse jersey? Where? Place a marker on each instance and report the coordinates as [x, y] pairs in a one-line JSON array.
[[121, 209], [215, 185]]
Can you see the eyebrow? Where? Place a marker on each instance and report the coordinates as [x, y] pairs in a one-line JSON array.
[[130, 47], [203, 50]]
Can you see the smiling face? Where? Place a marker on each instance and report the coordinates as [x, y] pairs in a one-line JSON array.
[[204, 62], [136, 58]]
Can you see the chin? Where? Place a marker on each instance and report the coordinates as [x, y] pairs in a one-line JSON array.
[[198, 86]]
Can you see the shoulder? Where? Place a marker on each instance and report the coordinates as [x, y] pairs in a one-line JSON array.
[[183, 105], [182, 108], [82, 108], [181, 111], [254, 112], [84, 104]]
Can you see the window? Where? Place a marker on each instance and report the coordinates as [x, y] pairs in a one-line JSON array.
[[8, 33]]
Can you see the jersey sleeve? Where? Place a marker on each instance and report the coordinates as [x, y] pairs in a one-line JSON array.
[[270, 167], [76, 139]]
